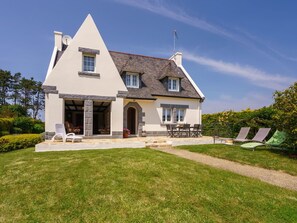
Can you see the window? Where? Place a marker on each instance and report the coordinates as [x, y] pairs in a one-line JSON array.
[[132, 80], [173, 84], [88, 63], [166, 117], [180, 115]]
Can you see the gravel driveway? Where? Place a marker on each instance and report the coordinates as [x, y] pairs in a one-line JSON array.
[[269, 176]]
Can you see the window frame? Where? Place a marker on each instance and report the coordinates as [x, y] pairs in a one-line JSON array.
[[178, 115], [83, 62], [131, 80], [171, 85], [165, 115]]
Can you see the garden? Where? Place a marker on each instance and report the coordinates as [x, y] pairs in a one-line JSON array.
[[132, 185], [141, 185]]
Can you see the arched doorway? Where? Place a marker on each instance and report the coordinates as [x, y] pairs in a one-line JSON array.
[[131, 120]]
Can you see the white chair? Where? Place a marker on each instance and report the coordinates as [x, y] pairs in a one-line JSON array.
[[61, 134]]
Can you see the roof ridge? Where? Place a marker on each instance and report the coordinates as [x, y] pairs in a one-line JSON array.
[[133, 54]]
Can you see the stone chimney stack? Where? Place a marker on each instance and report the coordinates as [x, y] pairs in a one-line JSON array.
[[177, 58], [58, 40]]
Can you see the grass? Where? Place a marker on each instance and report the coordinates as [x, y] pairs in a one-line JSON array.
[[267, 158], [132, 185]]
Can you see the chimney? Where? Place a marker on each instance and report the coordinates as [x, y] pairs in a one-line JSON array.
[[58, 40], [177, 58]]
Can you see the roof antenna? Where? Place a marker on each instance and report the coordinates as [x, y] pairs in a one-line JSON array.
[[175, 37]]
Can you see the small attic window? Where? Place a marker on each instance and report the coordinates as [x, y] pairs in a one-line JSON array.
[[89, 63], [173, 84], [132, 80]]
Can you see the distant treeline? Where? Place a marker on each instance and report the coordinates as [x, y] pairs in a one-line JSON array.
[[18, 90]]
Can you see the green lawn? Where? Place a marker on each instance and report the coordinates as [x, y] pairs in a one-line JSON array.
[[263, 157], [132, 185]]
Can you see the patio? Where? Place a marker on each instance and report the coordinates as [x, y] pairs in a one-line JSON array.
[[131, 142]]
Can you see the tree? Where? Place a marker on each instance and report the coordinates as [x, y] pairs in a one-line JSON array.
[[12, 111], [37, 99], [5, 82], [15, 88], [286, 112], [27, 92]]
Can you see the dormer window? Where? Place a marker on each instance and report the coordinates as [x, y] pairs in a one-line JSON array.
[[132, 80], [173, 84]]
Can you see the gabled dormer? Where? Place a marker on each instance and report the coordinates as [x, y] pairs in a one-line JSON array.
[[171, 77], [132, 79]]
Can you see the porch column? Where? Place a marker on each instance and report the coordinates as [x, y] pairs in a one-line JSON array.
[[88, 116]]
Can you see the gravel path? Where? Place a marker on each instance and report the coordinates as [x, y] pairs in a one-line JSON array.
[[269, 176]]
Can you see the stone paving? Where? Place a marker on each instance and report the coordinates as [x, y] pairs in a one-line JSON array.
[[132, 142]]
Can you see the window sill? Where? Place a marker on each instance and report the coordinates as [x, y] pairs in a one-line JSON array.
[[88, 74]]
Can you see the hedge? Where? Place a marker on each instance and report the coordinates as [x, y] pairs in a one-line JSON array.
[[228, 123], [15, 142], [20, 125]]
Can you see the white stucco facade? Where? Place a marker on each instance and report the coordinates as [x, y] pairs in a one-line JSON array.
[[153, 111]]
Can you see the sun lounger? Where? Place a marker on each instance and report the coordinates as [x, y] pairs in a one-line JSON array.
[[276, 140], [260, 135], [244, 131], [61, 134]]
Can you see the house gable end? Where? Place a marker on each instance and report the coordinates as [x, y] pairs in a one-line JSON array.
[[68, 74]]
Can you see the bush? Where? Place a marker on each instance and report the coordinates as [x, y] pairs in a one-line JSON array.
[[286, 113], [24, 123], [15, 142], [4, 133], [6, 124], [17, 130], [228, 123], [38, 128]]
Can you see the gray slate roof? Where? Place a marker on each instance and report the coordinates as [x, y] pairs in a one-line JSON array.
[[152, 71]]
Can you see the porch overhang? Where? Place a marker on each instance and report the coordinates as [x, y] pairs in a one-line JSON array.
[[87, 97]]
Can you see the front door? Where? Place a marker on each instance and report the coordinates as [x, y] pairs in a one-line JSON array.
[[131, 120]]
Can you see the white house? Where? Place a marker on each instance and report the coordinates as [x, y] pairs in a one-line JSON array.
[[101, 92]]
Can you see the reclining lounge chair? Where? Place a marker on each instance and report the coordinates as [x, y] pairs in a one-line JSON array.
[[276, 140], [244, 131], [61, 134]]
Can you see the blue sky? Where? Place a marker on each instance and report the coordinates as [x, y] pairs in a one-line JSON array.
[[238, 52]]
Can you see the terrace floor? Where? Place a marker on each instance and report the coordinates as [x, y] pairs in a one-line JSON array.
[[131, 142]]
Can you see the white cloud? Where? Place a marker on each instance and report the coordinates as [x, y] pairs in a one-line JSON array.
[[159, 7], [253, 75], [225, 102]]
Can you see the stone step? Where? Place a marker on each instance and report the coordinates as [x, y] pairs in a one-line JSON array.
[[157, 141], [159, 145]]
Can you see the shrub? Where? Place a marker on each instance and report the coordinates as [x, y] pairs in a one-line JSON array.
[[6, 124], [14, 142], [228, 123], [38, 128], [286, 113], [24, 123], [17, 130], [3, 133]]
